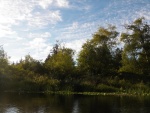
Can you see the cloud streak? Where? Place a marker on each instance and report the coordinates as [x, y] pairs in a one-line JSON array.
[[40, 19], [54, 3]]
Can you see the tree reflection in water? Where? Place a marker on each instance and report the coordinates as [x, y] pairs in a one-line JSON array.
[[40, 103]]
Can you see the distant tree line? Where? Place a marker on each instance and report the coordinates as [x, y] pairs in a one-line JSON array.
[[103, 65]]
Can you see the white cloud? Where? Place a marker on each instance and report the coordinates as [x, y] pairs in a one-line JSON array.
[[12, 11], [81, 5], [45, 3], [77, 31], [17, 19], [57, 3], [75, 44], [46, 35], [38, 48], [125, 12], [40, 19], [62, 3], [37, 43], [72, 27], [6, 31], [130, 9], [39, 35], [144, 12]]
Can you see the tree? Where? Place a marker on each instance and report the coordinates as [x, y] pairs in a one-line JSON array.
[[60, 63], [95, 58], [136, 53], [30, 64], [117, 58], [106, 36], [3, 61]]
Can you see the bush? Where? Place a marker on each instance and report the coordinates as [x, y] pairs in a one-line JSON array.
[[87, 86], [105, 88]]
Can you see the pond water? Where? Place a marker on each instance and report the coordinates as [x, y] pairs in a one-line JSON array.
[[40, 103]]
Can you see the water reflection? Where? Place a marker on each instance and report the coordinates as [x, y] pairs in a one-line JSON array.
[[75, 107], [38, 103], [12, 110]]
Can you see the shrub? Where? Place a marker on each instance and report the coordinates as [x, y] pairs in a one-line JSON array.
[[105, 88]]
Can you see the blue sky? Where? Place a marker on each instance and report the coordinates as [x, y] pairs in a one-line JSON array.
[[33, 26]]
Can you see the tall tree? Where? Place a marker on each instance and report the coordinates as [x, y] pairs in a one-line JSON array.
[[60, 63], [136, 54], [3, 61], [117, 58], [95, 57]]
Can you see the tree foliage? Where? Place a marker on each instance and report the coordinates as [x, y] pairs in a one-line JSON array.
[[3, 61], [60, 63], [136, 54], [95, 57]]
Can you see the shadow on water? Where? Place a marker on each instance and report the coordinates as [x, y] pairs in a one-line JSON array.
[[40, 103]]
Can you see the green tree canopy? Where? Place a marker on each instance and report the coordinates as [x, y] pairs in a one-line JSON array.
[[95, 57], [60, 63], [3, 61], [136, 54], [30, 64]]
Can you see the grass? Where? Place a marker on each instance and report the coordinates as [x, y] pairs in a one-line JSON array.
[[128, 93]]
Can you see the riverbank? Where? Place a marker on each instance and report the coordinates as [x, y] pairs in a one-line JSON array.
[[83, 93], [99, 93]]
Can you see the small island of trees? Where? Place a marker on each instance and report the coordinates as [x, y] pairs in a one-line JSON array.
[[102, 65]]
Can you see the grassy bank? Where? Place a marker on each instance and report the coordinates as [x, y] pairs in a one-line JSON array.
[[107, 86], [84, 93]]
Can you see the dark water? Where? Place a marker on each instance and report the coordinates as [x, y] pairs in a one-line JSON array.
[[38, 103]]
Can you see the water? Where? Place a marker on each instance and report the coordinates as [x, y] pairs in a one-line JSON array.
[[40, 103]]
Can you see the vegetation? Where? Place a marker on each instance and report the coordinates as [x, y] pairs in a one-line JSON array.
[[103, 66]]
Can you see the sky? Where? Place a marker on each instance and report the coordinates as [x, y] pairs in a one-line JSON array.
[[33, 26]]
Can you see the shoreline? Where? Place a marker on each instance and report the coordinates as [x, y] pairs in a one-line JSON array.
[[81, 93]]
